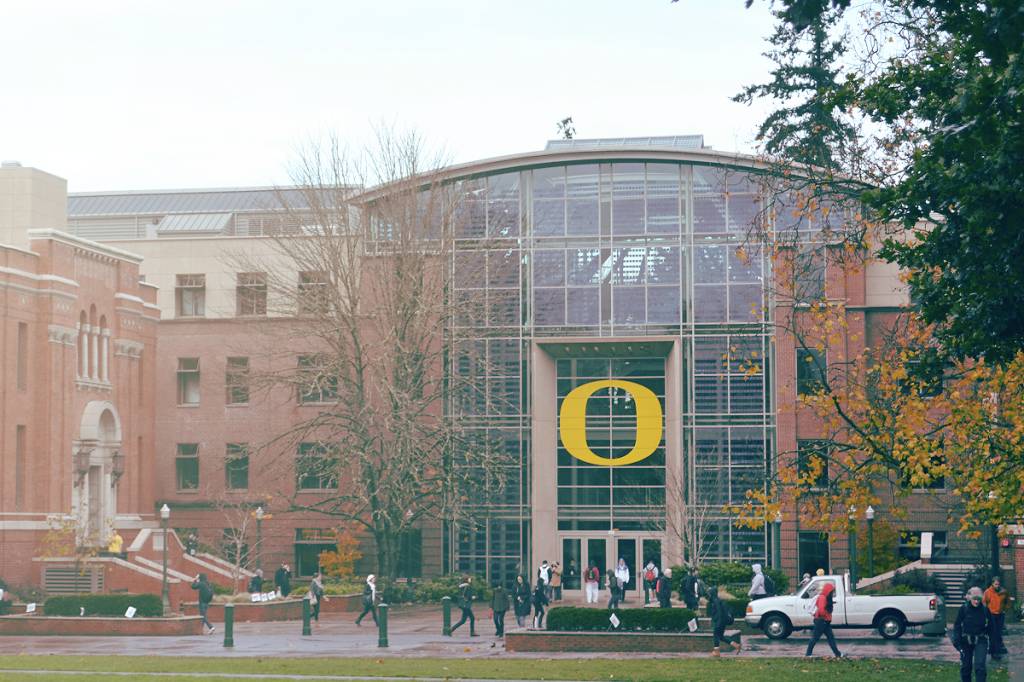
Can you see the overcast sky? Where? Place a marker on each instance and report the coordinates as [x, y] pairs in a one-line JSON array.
[[140, 94]]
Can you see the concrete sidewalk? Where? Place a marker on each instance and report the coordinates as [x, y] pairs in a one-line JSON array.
[[415, 631]]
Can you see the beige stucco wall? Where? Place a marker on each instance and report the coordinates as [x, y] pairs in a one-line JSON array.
[[30, 199], [883, 286]]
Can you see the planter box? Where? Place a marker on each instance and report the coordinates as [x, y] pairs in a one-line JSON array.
[[93, 626], [277, 610], [657, 642]]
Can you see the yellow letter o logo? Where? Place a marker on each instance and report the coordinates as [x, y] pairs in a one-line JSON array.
[[573, 422]]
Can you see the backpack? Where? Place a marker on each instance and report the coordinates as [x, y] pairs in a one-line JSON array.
[[593, 575], [769, 585], [205, 592], [649, 575]]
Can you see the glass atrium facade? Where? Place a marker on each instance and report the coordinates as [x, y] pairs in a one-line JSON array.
[[589, 257]]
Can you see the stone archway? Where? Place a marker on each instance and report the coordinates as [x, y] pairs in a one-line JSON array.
[[94, 496]]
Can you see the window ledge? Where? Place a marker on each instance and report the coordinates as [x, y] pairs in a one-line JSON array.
[[187, 491], [93, 384], [235, 405], [192, 406]]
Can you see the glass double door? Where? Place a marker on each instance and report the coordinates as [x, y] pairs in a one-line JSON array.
[[605, 551]]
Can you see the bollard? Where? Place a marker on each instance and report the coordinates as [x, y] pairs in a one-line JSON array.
[[382, 626], [306, 629], [229, 625], [446, 610]]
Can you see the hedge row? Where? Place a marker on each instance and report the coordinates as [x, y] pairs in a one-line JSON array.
[[5, 607], [578, 619], [146, 605]]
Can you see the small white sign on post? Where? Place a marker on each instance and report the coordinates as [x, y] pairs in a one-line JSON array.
[[614, 620], [81, 610], [30, 608], [926, 544], [130, 613], [1, 595], [255, 596], [692, 624], [271, 596]]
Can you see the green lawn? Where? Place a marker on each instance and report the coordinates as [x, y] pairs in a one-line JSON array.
[[731, 669]]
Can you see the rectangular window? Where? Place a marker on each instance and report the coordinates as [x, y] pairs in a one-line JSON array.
[[812, 455], [810, 370], [22, 356], [188, 381], [310, 543], [236, 466], [19, 468], [813, 552], [910, 544], [190, 295], [186, 466], [316, 466], [317, 384], [313, 292], [236, 379], [234, 548], [809, 273], [251, 294]]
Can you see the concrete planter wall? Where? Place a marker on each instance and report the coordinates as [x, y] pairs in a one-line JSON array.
[[92, 626], [277, 610], [657, 642]]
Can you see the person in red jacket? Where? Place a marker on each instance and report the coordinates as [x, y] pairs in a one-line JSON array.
[[823, 619]]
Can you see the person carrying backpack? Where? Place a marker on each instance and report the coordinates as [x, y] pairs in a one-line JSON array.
[[466, 597], [521, 599], [691, 590], [499, 605], [823, 606], [369, 600], [540, 600], [613, 589], [650, 577], [317, 594], [971, 636], [757, 588], [721, 618], [205, 590]]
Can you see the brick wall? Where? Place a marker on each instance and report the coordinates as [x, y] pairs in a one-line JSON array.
[[118, 627]]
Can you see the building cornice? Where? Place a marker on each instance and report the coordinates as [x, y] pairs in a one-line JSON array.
[[87, 246]]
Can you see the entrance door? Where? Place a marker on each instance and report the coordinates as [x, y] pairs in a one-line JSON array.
[[626, 550], [572, 562]]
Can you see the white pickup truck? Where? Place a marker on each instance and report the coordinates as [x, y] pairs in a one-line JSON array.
[[779, 616]]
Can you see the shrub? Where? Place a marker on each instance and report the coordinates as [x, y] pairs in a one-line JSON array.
[[919, 581], [5, 607], [342, 587], [738, 607], [733, 574], [431, 591], [980, 576], [220, 589], [889, 590], [578, 619], [147, 605]]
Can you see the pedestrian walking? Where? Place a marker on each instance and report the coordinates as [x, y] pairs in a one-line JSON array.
[[256, 582], [663, 589], [369, 600], [466, 597], [556, 582], [592, 582], [996, 599], [544, 575], [613, 589], [971, 633], [283, 580], [317, 594], [540, 600], [650, 577], [757, 589], [521, 599], [499, 605], [622, 578], [823, 619], [721, 618], [691, 590], [205, 593]]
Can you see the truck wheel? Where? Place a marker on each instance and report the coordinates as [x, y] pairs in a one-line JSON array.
[[776, 626], [892, 626]]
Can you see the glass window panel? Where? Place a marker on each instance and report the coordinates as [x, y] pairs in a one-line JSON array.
[[710, 394], [638, 475], [592, 368], [549, 307], [744, 212], [469, 270], [708, 214], [504, 356], [584, 266], [471, 214], [711, 446], [503, 307], [711, 354], [502, 268], [746, 394], [503, 205], [582, 205], [747, 544], [549, 183], [709, 264], [664, 305], [663, 265], [744, 265], [584, 306], [639, 367], [712, 486], [746, 353], [638, 497], [709, 303], [663, 198], [628, 305], [628, 198], [588, 497], [584, 475], [469, 310], [747, 447], [628, 265], [744, 479], [811, 367], [549, 268], [745, 303], [549, 217]]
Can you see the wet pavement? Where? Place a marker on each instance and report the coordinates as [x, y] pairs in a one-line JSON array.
[[416, 631]]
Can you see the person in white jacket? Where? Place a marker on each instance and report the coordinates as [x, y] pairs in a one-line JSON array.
[[757, 590], [622, 577]]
